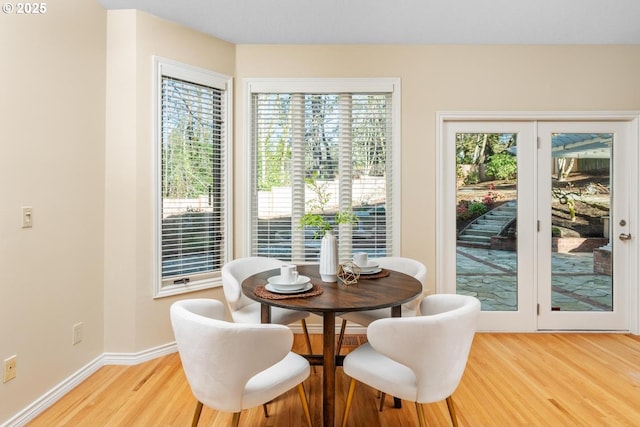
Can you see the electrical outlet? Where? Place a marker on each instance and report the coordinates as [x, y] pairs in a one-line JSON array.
[[77, 333], [9, 368]]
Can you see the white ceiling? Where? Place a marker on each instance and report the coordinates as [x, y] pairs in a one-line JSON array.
[[402, 21]]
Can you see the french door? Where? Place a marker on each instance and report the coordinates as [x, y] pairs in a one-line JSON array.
[[537, 219], [583, 278]]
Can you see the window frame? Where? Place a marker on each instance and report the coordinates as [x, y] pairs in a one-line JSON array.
[[325, 85], [169, 68]]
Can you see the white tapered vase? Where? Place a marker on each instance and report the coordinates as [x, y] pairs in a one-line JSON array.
[[329, 258]]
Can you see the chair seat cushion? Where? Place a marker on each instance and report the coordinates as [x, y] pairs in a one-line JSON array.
[[381, 373], [278, 379]]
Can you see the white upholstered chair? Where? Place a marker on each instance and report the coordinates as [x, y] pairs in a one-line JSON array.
[[246, 310], [404, 265], [232, 366], [419, 359]]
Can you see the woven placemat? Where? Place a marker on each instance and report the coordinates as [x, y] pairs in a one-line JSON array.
[[262, 292], [382, 273]]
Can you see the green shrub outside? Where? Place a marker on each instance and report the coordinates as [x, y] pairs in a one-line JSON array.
[[477, 209], [502, 166]]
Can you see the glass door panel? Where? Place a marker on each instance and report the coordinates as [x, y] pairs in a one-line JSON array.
[[486, 218], [583, 206], [488, 228], [581, 253]]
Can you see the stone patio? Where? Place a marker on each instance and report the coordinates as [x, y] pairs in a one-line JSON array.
[[490, 275]]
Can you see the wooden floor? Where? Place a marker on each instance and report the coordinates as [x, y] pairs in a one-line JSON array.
[[510, 380]]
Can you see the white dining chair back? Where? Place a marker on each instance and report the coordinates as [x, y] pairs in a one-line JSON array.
[[419, 359], [245, 310], [409, 266], [233, 274], [230, 366]]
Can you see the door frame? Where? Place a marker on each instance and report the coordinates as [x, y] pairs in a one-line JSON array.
[[445, 178]]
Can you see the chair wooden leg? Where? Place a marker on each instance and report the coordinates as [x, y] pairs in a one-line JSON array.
[[266, 410], [308, 340], [196, 414], [305, 403], [236, 419], [421, 418], [343, 327], [397, 402], [452, 411], [306, 336], [347, 406]]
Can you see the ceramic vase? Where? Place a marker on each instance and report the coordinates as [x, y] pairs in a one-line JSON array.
[[329, 258]]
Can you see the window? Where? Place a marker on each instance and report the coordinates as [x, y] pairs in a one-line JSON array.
[[323, 147], [191, 177]]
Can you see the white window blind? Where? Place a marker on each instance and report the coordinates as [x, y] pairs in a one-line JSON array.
[[321, 153], [192, 179]]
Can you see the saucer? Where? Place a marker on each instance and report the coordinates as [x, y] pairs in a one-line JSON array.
[[276, 290], [277, 281], [371, 265], [374, 271]]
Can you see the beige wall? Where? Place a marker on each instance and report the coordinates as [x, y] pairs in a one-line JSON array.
[[52, 88], [134, 321], [448, 78], [76, 129]]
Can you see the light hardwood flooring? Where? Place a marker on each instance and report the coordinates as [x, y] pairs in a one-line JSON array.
[[511, 380]]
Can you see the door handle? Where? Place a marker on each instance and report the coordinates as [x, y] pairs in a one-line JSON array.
[[624, 236]]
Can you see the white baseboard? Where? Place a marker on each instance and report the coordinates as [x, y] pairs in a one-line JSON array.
[[52, 396], [137, 358]]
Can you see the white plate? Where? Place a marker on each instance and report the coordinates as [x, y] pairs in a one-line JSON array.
[[369, 271], [306, 287], [371, 265], [277, 281]]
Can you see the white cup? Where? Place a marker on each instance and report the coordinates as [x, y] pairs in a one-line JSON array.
[[289, 273], [361, 259]]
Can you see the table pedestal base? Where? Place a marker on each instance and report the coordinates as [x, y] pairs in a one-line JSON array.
[[329, 369]]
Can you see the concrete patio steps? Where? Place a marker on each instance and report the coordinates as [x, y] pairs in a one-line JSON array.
[[479, 232]]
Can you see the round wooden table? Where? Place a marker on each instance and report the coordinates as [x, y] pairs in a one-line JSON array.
[[368, 294]]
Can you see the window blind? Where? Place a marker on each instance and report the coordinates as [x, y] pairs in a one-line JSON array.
[[321, 153], [192, 180]]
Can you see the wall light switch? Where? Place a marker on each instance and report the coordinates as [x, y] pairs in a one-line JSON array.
[[27, 217]]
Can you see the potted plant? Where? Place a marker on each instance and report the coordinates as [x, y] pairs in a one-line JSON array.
[[322, 224]]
